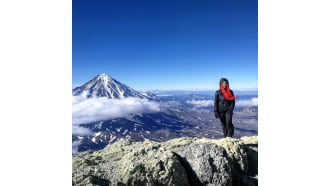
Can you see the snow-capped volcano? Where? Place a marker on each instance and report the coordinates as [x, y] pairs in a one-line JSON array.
[[105, 86]]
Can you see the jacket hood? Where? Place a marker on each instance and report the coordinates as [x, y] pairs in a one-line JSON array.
[[223, 80]]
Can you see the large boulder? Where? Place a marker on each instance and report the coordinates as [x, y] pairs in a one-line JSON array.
[[150, 164], [206, 164]]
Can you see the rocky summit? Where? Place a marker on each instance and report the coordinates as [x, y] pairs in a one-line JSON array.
[[177, 162]]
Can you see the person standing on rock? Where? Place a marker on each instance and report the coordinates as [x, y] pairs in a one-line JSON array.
[[224, 104]]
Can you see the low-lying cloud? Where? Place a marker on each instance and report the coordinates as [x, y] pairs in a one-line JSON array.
[[80, 131], [87, 110], [250, 102], [201, 103], [75, 146], [206, 103]]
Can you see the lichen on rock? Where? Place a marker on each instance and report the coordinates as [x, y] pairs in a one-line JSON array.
[[182, 161]]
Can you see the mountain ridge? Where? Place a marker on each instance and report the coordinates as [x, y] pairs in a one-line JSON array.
[[104, 85]]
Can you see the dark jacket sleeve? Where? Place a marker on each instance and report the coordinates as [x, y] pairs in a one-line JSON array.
[[232, 104], [216, 102]]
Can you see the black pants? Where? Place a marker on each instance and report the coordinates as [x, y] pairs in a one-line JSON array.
[[227, 124]]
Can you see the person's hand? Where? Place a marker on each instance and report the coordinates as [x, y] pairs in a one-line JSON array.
[[216, 115]]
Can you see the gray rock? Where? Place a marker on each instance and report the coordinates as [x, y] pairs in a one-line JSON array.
[[207, 164], [181, 161], [152, 165]]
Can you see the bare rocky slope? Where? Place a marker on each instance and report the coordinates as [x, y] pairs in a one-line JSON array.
[[181, 161]]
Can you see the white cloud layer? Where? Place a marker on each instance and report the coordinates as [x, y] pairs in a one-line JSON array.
[[75, 146], [86, 110], [201, 103], [206, 103], [251, 102], [80, 131]]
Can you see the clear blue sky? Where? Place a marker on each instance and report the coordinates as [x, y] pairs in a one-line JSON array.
[[166, 44]]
